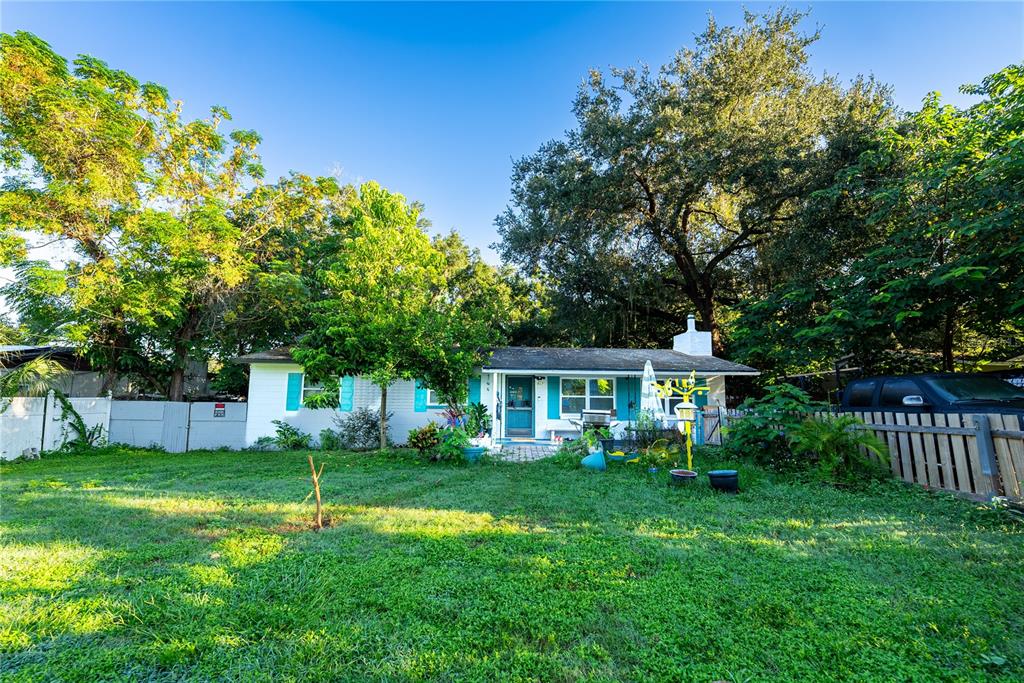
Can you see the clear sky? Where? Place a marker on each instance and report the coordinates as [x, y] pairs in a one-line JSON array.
[[436, 100]]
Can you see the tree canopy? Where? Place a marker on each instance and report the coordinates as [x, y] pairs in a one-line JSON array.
[[661, 199], [395, 305], [934, 271]]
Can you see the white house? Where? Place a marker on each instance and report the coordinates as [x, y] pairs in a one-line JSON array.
[[531, 393]]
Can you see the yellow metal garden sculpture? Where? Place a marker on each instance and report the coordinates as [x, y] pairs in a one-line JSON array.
[[685, 411]]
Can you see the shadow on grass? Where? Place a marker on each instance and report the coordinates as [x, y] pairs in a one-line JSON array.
[[198, 568]]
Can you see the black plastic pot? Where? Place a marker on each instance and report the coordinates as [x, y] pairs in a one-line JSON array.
[[681, 477], [725, 480]]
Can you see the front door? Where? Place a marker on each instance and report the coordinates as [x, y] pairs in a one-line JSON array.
[[519, 406]]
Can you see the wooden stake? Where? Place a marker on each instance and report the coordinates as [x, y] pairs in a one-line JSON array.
[[318, 522]]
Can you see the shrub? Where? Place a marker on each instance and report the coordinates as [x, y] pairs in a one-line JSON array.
[[662, 453], [646, 431], [263, 443], [290, 438], [425, 439], [762, 432], [360, 429], [834, 445], [330, 440], [77, 436], [570, 453]]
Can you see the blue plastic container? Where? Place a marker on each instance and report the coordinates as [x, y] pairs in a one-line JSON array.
[[595, 461], [473, 453]]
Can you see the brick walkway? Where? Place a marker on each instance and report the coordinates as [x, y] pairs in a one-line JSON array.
[[525, 452]]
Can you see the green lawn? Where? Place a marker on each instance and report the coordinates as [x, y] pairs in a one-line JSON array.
[[132, 566]]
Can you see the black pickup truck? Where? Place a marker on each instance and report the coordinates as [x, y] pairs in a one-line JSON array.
[[940, 393]]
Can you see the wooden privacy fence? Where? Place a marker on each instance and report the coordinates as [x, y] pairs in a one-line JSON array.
[[981, 455]]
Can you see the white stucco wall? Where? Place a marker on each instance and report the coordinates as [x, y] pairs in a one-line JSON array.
[[268, 395]]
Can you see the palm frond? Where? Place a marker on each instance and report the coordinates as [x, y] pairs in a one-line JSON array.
[[37, 377]]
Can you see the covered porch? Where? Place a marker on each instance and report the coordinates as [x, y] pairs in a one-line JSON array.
[[540, 409]]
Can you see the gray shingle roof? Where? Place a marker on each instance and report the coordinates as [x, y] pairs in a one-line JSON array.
[[538, 358], [13, 355], [282, 354], [621, 360]]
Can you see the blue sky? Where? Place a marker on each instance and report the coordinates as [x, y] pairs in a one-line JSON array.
[[436, 100]]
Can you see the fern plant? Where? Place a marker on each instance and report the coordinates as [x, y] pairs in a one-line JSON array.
[[839, 447]]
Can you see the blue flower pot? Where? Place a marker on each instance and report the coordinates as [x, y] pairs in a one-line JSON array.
[[595, 461], [473, 453], [724, 480]]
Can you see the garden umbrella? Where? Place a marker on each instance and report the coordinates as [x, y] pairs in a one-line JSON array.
[[649, 399]]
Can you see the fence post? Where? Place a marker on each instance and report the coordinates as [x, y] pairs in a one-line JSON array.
[[987, 453]]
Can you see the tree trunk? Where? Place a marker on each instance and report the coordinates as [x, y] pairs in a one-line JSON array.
[[947, 342], [119, 343], [706, 311], [109, 381], [383, 417], [176, 391]]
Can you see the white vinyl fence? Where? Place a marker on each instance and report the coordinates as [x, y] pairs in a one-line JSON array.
[[40, 424]]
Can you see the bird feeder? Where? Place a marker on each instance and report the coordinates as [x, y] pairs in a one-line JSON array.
[[687, 412]]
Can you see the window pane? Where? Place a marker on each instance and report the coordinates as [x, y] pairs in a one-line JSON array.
[[573, 405], [574, 387], [860, 394], [601, 403], [600, 387], [979, 388], [894, 390]]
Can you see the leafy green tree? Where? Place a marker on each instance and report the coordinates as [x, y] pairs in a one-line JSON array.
[[662, 198], [179, 251], [72, 146], [475, 307], [374, 291], [933, 268]]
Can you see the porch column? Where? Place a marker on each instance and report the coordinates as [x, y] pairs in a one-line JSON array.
[[499, 424], [540, 408]]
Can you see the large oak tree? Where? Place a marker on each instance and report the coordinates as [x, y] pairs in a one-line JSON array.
[[659, 201]]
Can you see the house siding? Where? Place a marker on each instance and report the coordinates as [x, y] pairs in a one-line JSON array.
[[268, 401], [268, 389]]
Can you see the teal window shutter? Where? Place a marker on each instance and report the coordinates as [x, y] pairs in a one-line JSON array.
[[345, 393], [700, 399], [474, 389], [294, 400], [554, 397], [420, 402]]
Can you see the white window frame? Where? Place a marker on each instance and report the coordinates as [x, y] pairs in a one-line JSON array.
[[667, 405], [309, 389], [433, 400], [586, 394]]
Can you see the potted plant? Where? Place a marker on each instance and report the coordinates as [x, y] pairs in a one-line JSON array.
[[591, 439], [478, 425], [456, 440]]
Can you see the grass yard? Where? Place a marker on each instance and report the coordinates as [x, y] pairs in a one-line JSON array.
[[149, 566]]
